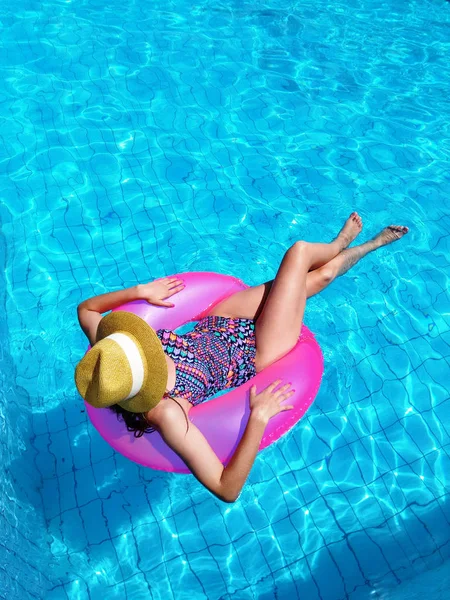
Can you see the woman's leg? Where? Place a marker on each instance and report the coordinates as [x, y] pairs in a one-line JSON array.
[[326, 252], [252, 303], [279, 323], [249, 303]]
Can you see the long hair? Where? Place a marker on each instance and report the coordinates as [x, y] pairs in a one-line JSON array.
[[137, 422]]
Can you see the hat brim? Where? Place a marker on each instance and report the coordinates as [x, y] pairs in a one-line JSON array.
[[155, 382]]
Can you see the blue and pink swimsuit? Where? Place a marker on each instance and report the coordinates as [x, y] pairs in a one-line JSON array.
[[219, 353]]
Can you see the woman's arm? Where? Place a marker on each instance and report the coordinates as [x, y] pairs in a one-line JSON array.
[[89, 311], [155, 292], [225, 482]]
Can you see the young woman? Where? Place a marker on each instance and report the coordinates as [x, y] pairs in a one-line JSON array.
[[269, 318]]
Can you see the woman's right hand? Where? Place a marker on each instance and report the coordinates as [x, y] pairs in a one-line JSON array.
[[267, 403]]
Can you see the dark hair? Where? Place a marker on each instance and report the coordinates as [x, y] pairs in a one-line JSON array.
[[137, 422]]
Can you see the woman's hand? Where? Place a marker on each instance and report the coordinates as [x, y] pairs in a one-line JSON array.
[[267, 403], [90, 310], [157, 291]]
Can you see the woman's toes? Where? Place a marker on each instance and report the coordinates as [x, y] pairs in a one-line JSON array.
[[400, 228], [350, 230]]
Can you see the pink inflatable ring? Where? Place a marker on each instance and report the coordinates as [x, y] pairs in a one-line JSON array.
[[222, 420]]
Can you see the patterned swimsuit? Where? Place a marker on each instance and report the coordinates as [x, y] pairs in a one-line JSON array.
[[219, 353]]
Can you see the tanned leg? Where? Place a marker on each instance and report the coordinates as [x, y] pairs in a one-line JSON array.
[[279, 322], [249, 303]]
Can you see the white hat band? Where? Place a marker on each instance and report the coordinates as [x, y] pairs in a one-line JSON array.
[[134, 360]]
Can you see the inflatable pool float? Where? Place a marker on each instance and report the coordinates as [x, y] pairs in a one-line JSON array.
[[222, 419]]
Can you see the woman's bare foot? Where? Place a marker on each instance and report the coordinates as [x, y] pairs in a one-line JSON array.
[[352, 228], [389, 234], [350, 256]]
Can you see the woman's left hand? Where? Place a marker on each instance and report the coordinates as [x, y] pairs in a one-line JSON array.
[[155, 292]]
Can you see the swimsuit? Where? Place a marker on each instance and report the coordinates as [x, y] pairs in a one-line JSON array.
[[219, 353]]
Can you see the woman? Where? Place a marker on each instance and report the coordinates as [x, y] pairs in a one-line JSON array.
[[268, 318]]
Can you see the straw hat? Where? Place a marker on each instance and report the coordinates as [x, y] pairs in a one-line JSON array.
[[126, 365]]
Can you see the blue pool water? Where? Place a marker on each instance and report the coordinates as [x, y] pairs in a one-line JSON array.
[[144, 138]]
